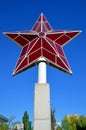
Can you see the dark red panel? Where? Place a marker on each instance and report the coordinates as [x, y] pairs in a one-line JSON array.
[[44, 29], [36, 46], [39, 19], [38, 28], [50, 41], [48, 46], [44, 19], [22, 65], [29, 37], [19, 61], [21, 41], [53, 44], [59, 49], [31, 44], [54, 36], [62, 40], [47, 26], [64, 60], [49, 55], [72, 34], [12, 35], [24, 50], [35, 26], [34, 56], [61, 64]]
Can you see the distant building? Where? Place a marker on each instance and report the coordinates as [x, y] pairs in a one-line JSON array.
[[3, 119], [18, 126]]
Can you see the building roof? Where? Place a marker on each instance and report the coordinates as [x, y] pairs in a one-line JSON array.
[[3, 118]]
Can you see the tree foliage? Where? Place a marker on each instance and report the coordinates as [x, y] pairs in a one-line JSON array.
[[81, 125], [25, 120], [53, 119], [59, 127], [74, 122], [4, 126]]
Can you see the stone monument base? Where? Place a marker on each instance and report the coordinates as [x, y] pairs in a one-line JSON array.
[[42, 110]]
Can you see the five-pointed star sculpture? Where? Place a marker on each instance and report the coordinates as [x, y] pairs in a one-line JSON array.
[[42, 41]]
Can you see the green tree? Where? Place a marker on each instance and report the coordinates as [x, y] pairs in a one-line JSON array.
[[4, 126], [74, 122], [65, 123], [59, 127], [25, 120], [53, 119], [81, 124], [70, 122]]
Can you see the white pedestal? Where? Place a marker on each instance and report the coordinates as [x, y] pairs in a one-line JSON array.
[[42, 111]]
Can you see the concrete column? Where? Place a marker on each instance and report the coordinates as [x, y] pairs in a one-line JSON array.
[[42, 111]]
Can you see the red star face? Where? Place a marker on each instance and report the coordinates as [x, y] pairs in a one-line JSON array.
[[42, 41]]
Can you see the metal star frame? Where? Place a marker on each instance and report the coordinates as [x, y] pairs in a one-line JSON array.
[[42, 41]]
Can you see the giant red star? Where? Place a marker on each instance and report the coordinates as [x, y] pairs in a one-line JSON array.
[[42, 41]]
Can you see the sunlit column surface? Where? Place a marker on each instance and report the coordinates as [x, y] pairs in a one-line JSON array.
[[42, 76]]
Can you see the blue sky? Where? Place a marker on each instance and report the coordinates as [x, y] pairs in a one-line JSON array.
[[68, 93]]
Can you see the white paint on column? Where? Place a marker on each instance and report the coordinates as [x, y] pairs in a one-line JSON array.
[[42, 76]]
